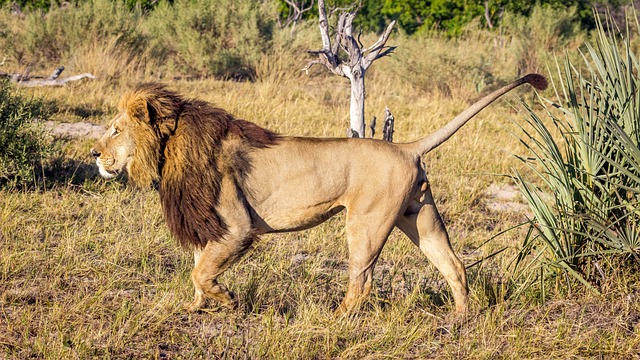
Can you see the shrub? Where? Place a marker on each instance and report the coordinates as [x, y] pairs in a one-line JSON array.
[[223, 38], [586, 212], [532, 39], [22, 143]]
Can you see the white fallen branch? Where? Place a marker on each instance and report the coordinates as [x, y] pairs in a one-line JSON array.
[[53, 80]]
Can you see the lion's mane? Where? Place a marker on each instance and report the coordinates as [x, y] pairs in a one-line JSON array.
[[179, 146]]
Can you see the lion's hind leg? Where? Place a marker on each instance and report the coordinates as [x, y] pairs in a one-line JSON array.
[[423, 225]]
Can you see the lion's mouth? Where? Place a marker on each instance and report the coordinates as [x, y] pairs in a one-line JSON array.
[[107, 174], [104, 172]]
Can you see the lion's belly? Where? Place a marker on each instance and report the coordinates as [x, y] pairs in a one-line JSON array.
[[284, 222], [295, 191], [291, 202]]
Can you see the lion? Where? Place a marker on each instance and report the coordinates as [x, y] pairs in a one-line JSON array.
[[224, 181]]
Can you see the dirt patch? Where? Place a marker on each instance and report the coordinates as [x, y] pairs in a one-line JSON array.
[[75, 130], [503, 198]]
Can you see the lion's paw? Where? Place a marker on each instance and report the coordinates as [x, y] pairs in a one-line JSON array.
[[193, 306]]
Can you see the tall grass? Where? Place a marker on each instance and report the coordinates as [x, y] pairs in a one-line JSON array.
[[587, 156]]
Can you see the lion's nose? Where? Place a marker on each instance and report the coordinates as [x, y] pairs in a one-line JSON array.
[[94, 153]]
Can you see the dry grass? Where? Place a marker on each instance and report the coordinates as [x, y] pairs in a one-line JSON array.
[[88, 268], [92, 272]]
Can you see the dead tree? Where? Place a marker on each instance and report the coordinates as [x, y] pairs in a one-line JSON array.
[[354, 67]]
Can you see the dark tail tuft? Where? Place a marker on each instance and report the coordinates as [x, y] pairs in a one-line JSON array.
[[537, 81]]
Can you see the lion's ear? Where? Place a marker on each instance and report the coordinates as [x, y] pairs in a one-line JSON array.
[[136, 106]]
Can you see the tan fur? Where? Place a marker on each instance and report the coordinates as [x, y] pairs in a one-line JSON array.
[[222, 181]]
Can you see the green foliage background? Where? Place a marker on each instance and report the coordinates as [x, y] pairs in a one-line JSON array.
[[412, 15], [450, 16]]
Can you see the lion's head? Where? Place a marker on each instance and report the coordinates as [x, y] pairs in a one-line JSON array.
[[133, 141]]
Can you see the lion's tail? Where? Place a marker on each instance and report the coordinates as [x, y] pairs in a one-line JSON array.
[[434, 140]]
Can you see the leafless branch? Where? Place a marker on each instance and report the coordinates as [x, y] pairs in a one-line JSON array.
[[351, 8], [383, 38], [310, 64], [375, 49], [296, 9], [487, 15], [386, 52], [360, 44], [324, 25]]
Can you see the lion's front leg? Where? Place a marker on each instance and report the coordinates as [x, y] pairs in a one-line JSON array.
[[199, 299], [211, 262], [207, 289], [218, 256]]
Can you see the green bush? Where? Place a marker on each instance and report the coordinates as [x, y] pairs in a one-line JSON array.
[[587, 207], [534, 38], [448, 16], [224, 38], [66, 35], [22, 143], [56, 35]]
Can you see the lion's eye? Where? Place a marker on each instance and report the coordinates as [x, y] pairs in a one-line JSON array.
[[116, 132]]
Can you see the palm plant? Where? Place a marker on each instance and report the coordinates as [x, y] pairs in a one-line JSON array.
[[585, 192]]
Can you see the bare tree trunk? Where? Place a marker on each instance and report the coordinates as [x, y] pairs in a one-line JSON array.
[[356, 107]]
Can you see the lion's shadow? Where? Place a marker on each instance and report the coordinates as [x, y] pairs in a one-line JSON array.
[[428, 294], [70, 172]]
